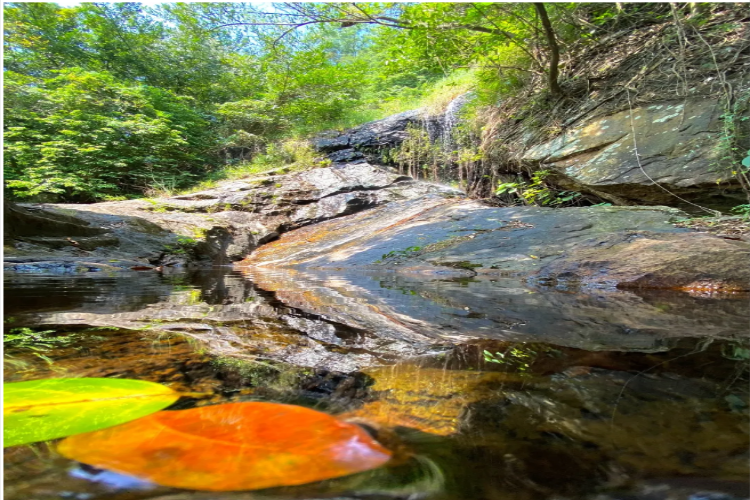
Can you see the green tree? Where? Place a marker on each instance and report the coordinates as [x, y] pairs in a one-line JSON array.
[[83, 136]]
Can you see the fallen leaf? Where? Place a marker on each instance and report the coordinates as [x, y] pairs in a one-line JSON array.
[[228, 447], [39, 410]]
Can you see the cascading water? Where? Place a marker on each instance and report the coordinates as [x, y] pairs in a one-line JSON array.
[[440, 143], [450, 120], [440, 128]]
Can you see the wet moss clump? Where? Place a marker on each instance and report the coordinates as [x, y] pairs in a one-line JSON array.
[[277, 377]]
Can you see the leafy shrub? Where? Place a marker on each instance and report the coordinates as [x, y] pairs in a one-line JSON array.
[[83, 136], [296, 154], [538, 192]]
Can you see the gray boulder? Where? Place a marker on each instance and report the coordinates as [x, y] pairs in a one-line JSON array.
[[370, 137]]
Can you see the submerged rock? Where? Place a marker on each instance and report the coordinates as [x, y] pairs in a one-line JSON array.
[[225, 313]]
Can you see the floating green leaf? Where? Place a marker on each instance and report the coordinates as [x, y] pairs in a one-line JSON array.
[[39, 410]]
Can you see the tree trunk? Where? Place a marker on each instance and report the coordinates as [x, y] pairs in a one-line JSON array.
[[554, 50]]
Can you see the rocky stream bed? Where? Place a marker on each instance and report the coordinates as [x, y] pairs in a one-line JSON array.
[[502, 352]]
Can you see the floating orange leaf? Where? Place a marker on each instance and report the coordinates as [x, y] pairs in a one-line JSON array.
[[236, 446]]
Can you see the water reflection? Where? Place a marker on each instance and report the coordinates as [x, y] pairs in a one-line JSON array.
[[548, 394], [419, 308]]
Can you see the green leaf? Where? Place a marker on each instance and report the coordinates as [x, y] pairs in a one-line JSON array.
[[39, 410]]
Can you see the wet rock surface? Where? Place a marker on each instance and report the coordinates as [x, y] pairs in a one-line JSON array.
[[215, 226], [445, 311], [654, 260], [226, 314], [371, 140], [676, 146], [606, 247]]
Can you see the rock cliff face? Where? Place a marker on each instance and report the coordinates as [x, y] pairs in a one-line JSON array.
[[667, 153], [215, 226], [653, 155]]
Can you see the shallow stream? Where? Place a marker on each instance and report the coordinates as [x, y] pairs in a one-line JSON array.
[[483, 388]]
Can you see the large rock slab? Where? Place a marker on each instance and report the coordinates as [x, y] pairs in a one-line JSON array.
[[217, 226], [644, 155], [645, 259], [467, 237]]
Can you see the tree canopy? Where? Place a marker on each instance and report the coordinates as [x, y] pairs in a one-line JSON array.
[[104, 100]]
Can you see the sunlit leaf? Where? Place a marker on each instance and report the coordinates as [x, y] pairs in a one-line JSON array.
[[39, 410], [236, 446]]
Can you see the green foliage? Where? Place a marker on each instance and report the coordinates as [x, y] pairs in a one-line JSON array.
[[537, 191], [516, 358], [185, 245], [37, 342], [400, 253], [105, 101], [732, 160], [736, 351], [82, 136], [746, 161], [742, 210], [520, 357], [296, 154], [418, 156], [27, 338]]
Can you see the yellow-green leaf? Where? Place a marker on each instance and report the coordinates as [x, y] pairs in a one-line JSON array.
[[39, 410]]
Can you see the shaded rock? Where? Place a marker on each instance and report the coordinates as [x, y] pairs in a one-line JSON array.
[[25, 222], [214, 226], [371, 139], [348, 155], [388, 132], [677, 147], [659, 423], [65, 266]]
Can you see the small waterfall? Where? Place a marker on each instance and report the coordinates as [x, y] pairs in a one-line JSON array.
[[429, 153], [451, 118]]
